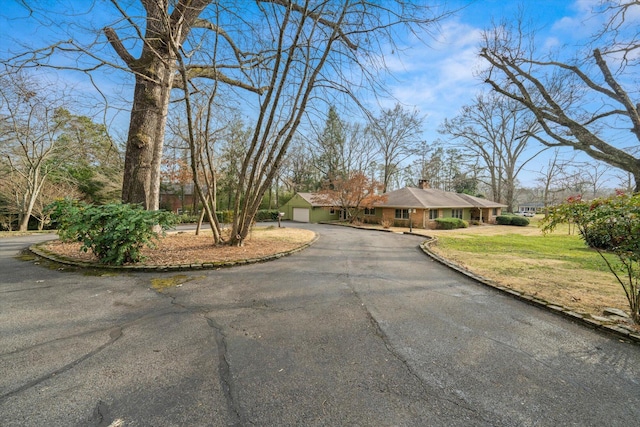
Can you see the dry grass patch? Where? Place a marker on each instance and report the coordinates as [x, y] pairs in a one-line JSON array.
[[558, 268], [187, 248], [556, 281]]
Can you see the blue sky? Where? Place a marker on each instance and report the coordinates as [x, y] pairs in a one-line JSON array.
[[440, 78], [437, 79]]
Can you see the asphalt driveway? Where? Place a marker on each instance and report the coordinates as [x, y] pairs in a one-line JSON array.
[[359, 329]]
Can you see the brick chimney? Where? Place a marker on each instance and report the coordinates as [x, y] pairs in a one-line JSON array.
[[424, 184]]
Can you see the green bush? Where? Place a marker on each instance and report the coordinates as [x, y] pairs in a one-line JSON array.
[[520, 221], [504, 219], [187, 218], [267, 215], [608, 224], [115, 233], [225, 217], [450, 223], [598, 238]]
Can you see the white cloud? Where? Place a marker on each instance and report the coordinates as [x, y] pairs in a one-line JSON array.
[[581, 23], [440, 78]]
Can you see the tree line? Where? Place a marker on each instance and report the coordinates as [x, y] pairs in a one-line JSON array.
[[200, 67]]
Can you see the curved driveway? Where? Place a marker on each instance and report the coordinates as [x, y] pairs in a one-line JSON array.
[[360, 329]]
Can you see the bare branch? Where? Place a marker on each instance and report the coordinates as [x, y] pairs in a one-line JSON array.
[[212, 73], [335, 26], [118, 47]]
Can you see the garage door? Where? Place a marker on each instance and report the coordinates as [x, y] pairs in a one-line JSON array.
[[301, 214]]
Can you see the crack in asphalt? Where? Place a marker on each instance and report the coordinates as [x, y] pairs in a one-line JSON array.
[[114, 334], [398, 356], [99, 416], [46, 343], [224, 368]]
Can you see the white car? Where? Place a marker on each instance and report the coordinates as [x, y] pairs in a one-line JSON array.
[[526, 213]]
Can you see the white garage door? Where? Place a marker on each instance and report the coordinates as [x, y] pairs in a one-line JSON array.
[[301, 214]]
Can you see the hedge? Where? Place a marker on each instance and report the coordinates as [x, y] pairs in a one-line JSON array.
[[512, 220], [450, 223]]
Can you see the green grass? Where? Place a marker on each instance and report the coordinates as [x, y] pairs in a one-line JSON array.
[[567, 248]]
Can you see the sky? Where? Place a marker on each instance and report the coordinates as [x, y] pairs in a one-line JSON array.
[[437, 79]]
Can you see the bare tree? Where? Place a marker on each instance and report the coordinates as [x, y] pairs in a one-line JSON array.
[[447, 169], [618, 36], [595, 176], [29, 133], [298, 171], [550, 178], [397, 134], [307, 50], [626, 183], [50, 192], [497, 130], [173, 44], [580, 106]]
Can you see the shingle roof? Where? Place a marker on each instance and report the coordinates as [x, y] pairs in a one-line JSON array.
[[313, 201], [410, 197]]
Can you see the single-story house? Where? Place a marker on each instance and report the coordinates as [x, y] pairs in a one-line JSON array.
[[424, 205], [534, 207], [303, 208]]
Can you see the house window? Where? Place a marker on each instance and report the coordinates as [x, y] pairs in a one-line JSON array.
[[456, 213], [332, 211], [402, 213], [495, 211], [368, 211], [433, 214]]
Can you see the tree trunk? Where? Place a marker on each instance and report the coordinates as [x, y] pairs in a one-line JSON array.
[[37, 181], [24, 223], [145, 140]]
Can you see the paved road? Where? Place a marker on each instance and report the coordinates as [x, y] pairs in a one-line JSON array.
[[361, 329]]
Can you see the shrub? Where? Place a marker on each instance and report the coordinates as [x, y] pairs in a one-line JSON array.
[[450, 223], [520, 221], [608, 224], [115, 233], [187, 218], [225, 217], [597, 238], [386, 223], [504, 219], [267, 215]]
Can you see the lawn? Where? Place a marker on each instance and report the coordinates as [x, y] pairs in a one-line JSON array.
[[558, 268]]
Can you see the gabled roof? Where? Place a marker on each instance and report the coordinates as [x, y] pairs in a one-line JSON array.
[[430, 198], [309, 197]]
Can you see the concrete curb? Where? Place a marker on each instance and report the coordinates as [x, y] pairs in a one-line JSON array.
[[582, 318], [39, 250]]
